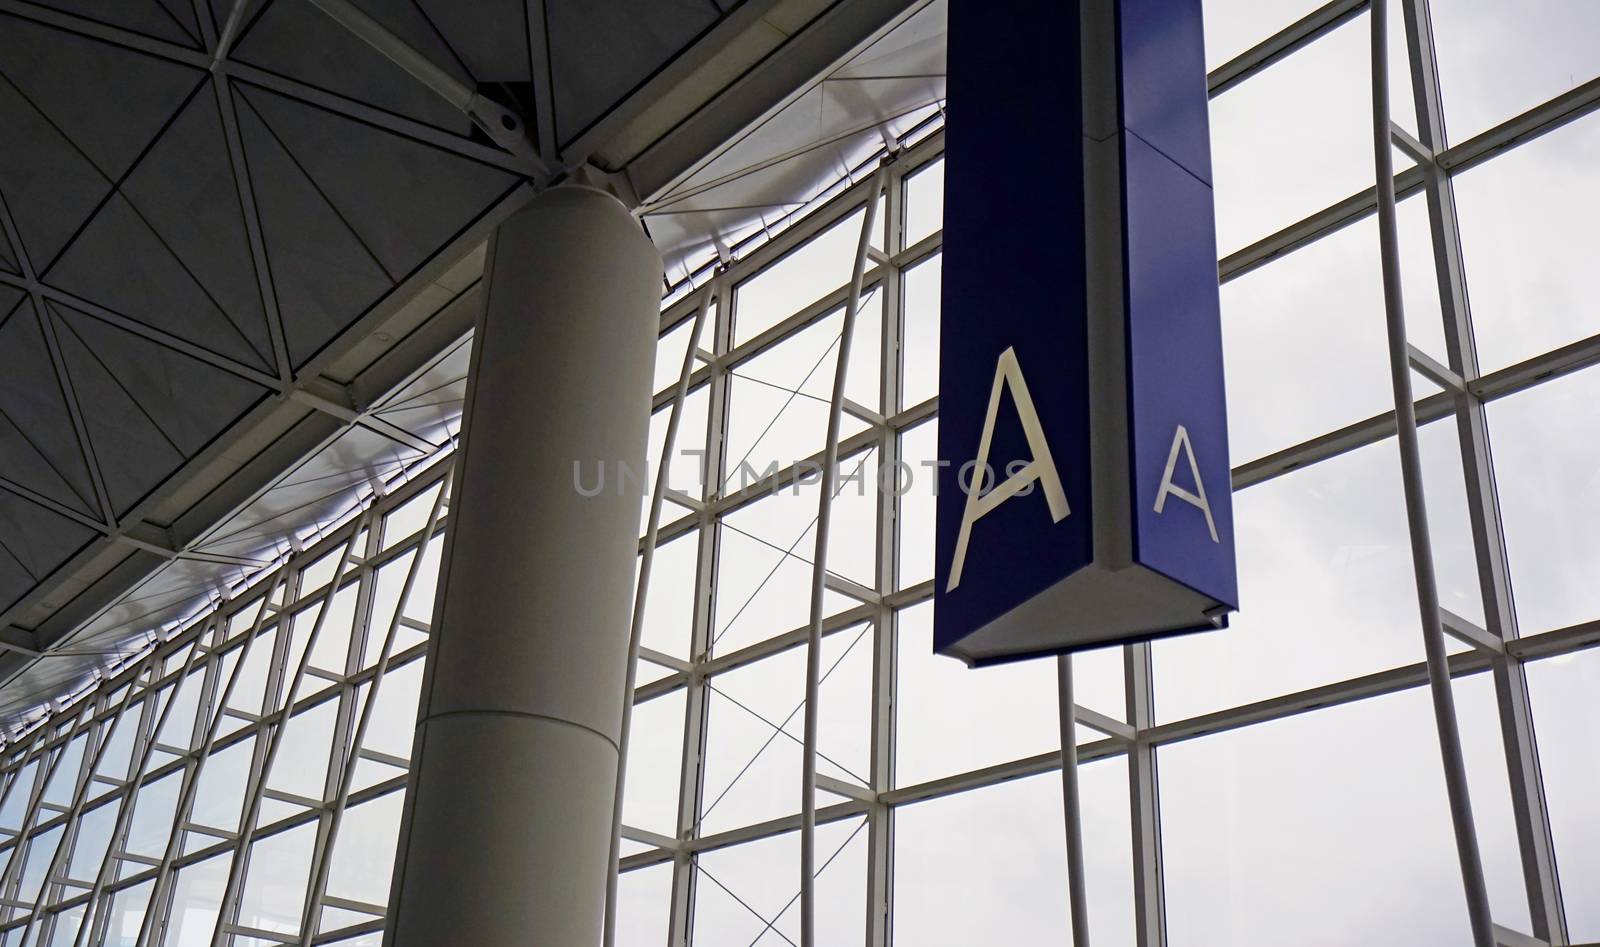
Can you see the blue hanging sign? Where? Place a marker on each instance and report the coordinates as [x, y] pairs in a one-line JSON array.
[[1086, 500]]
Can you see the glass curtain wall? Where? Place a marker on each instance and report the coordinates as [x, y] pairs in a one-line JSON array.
[[1282, 776]]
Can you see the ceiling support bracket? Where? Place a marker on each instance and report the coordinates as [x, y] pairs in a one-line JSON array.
[[504, 127]]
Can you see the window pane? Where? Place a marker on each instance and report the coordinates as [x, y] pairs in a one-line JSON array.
[[669, 350], [196, 897], [178, 730], [64, 780], [655, 754], [1497, 60], [221, 788], [301, 766], [1528, 242], [921, 299], [770, 426], [41, 849], [1478, 719], [795, 281], [1233, 26], [151, 824], [250, 689], [94, 834], [393, 723], [685, 468], [765, 875], [1545, 458], [669, 602], [114, 759], [275, 884], [333, 640], [1567, 718], [1330, 824], [924, 202], [363, 856], [1304, 339], [386, 601], [127, 915], [410, 517], [919, 449], [764, 563], [952, 719], [983, 867], [752, 769], [1297, 137], [65, 930], [644, 906]]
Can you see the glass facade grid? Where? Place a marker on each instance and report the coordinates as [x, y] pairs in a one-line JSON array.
[[1234, 786]]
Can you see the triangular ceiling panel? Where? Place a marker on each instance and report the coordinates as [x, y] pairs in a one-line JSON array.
[[15, 580], [132, 453], [788, 132], [601, 49], [294, 38], [490, 36], [69, 78], [8, 260], [36, 540], [185, 189], [190, 400], [914, 48], [38, 444], [323, 276], [171, 20], [50, 188], [146, 407], [404, 198], [122, 264]]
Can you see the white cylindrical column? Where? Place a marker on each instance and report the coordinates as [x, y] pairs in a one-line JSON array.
[[508, 817]]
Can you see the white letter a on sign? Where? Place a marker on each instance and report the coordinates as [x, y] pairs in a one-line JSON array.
[[1180, 440], [1041, 467]]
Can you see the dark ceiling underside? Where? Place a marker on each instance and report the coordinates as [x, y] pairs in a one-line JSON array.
[[237, 247], [177, 244]]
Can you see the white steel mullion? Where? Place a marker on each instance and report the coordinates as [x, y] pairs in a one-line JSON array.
[[91, 762], [158, 910], [343, 750], [819, 570], [1474, 886], [641, 591], [40, 743], [272, 732], [343, 776], [695, 717], [213, 716], [1149, 896], [10, 881], [1545, 908], [880, 827], [150, 723]]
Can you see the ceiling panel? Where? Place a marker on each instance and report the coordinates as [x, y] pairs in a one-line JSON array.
[[294, 38], [38, 447]]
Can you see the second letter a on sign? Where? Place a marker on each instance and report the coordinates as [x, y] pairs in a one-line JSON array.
[[1180, 442]]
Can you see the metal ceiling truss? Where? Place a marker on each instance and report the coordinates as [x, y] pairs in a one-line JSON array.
[[700, 96]]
